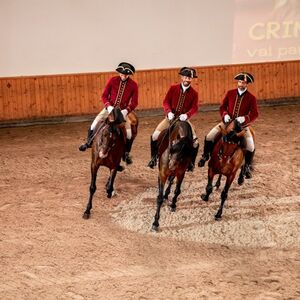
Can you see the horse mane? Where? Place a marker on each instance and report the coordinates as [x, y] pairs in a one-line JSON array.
[[184, 145], [233, 132], [166, 135], [115, 117]]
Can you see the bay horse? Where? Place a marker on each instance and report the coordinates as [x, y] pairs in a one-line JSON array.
[[174, 157], [107, 150], [226, 159]]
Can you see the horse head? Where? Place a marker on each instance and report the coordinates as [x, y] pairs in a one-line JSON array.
[[181, 143], [231, 139], [115, 116], [233, 132], [109, 131]]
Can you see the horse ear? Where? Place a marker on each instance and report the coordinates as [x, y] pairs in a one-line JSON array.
[[111, 116], [119, 117]]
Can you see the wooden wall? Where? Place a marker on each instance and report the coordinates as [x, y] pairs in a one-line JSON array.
[[39, 97]]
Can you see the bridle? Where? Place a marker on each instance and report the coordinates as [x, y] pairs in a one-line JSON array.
[[112, 138]]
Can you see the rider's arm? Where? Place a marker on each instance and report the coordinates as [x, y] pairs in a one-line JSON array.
[[253, 113], [195, 105], [168, 100], [106, 94], [134, 98], [224, 106]]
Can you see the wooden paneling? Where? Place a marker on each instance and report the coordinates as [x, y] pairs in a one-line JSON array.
[[38, 97]]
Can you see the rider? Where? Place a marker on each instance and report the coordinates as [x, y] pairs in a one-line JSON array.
[[181, 101], [241, 105], [120, 91]]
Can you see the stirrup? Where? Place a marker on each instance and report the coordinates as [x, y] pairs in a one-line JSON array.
[[152, 163]]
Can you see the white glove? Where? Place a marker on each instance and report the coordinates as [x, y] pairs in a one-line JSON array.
[[124, 112], [183, 117], [227, 119], [109, 108], [170, 116], [241, 120]]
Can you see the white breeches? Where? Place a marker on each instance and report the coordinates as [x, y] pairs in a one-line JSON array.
[[103, 115], [248, 139]]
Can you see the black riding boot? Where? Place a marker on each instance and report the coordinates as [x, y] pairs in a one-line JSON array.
[[154, 149], [248, 164], [127, 157], [89, 141], [191, 167], [208, 147]]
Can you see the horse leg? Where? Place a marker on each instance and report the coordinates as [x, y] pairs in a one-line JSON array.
[[218, 182], [224, 195], [94, 170], [110, 183], [241, 178], [176, 193], [168, 189], [159, 202], [209, 186]]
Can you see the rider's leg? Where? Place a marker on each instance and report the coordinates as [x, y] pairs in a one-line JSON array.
[[153, 142], [250, 149], [129, 141], [154, 149], [90, 136], [209, 144], [194, 150]]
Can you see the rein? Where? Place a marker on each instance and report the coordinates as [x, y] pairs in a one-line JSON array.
[[172, 123]]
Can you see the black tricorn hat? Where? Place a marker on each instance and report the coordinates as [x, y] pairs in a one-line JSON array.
[[244, 76], [125, 68], [189, 72]]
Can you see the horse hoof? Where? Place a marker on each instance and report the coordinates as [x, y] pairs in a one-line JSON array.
[[86, 216], [120, 168], [154, 228], [172, 209], [218, 217], [240, 181], [204, 197], [110, 194]]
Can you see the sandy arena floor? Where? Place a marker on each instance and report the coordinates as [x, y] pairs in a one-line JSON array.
[[47, 251]]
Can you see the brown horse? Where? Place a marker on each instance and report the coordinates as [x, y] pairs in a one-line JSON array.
[[174, 156], [108, 148], [226, 159]]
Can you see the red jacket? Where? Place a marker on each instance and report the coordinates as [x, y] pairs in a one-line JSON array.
[[245, 106], [121, 93], [181, 103]]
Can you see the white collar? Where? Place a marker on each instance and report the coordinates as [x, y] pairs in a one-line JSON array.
[[184, 87], [241, 92]]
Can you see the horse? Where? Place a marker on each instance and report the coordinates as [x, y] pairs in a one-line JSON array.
[[174, 157], [108, 149], [226, 159]]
